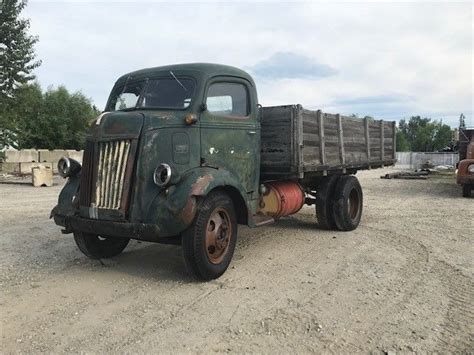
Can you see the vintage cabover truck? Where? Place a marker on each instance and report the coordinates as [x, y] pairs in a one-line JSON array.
[[184, 153], [465, 173]]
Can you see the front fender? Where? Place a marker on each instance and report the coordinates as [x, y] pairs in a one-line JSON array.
[[65, 206], [174, 208], [463, 175]]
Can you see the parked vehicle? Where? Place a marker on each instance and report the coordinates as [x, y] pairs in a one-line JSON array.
[[184, 153], [465, 172]]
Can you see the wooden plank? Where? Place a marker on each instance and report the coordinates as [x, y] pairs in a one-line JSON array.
[[322, 141], [310, 136], [394, 140], [367, 138], [382, 137], [340, 133], [299, 140], [311, 142]]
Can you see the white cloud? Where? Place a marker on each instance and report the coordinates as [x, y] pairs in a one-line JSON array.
[[419, 53]]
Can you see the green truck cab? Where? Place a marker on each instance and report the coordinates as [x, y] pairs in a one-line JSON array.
[[177, 157]]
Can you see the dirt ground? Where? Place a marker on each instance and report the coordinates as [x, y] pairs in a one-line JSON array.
[[403, 281]]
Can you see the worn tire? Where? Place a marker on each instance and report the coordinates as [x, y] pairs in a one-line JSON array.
[[347, 203], [98, 247], [324, 196], [196, 252], [466, 190]]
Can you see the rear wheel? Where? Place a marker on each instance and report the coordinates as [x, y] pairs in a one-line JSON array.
[[324, 196], [209, 243], [466, 190], [347, 203], [99, 247]]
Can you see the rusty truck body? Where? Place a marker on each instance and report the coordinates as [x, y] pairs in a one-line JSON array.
[[184, 153], [465, 171]]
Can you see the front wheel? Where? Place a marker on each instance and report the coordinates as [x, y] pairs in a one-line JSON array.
[[209, 243], [99, 247], [466, 190]]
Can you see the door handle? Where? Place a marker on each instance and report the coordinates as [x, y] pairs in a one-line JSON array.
[[251, 132]]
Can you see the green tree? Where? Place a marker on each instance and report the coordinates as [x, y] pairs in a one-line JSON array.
[[17, 55], [17, 62], [402, 142], [424, 135], [59, 121], [24, 108], [443, 136]]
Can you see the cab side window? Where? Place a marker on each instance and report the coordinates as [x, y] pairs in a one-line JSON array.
[[228, 99]]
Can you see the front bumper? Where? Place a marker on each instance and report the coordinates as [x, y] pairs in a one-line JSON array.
[[139, 231]]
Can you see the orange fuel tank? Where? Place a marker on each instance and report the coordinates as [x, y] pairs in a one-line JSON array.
[[282, 198]]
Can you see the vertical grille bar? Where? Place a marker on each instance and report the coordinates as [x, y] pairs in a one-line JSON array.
[[86, 175], [118, 181], [123, 164]]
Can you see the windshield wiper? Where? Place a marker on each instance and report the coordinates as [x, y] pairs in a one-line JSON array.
[[125, 85], [179, 82]]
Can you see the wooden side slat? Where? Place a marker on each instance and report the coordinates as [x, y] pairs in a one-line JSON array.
[[322, 140], [342, 155], [367, 137], [382, 137], [394, 140]]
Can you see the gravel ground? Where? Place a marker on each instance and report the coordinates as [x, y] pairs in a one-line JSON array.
[[403, 281]]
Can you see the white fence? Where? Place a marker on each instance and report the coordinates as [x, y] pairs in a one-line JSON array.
[[414, 160]]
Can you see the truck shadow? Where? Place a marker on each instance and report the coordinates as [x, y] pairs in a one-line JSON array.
[[291, 222], [162, 262], [151, 261]]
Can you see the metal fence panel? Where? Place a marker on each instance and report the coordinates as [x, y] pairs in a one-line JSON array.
[[414, 160]]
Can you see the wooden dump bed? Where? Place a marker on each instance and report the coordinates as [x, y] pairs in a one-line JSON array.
[[296, 143]]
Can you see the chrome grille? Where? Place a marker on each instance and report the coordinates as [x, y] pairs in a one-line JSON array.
[[112, 165]]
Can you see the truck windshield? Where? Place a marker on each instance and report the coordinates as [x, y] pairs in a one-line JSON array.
[[165, 93]]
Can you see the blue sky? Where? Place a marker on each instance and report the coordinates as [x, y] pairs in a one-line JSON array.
[[384, 59]]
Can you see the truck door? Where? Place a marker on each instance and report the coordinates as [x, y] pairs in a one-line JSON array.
[[230, 132]]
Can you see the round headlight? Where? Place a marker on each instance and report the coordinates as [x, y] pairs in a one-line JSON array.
[[64, 167], [470, 168], [68, 167], [162, 175]]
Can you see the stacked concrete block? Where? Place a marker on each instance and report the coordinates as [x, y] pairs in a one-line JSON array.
[[19, 156], [42, 176], [26, 168], [10, 168], [22, 161], [51, 156]]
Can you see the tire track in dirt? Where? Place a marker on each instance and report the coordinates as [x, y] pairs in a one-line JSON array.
[[456, 334], [383, 309]]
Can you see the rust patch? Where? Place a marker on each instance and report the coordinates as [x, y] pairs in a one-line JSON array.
[[201, 185], [189, 210]]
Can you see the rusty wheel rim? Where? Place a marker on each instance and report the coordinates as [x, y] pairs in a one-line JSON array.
[[353, 204], [218, 234]]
